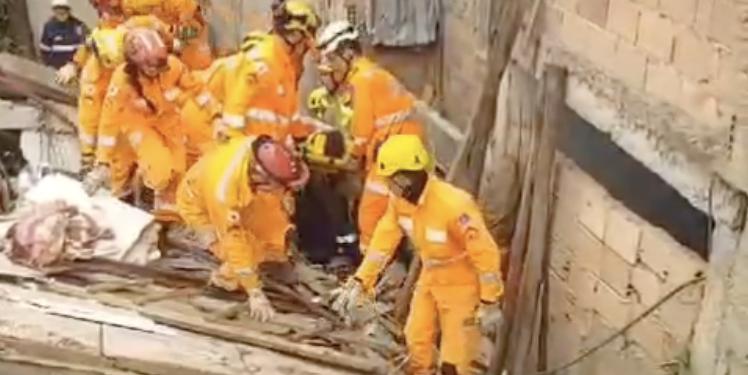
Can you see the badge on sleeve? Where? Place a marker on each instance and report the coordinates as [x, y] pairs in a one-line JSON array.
[[464, 222]]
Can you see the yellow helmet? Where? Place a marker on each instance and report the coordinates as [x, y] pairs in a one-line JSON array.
[[296, 15], [319, 100], [109, 45], [402, 153]]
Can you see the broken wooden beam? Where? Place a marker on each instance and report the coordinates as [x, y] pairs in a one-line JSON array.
[[33, 77]]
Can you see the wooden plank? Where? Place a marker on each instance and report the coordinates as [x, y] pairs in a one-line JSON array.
[[537, 246], [25, 76]]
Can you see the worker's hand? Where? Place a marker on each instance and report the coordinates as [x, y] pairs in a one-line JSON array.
[[67, 74], [260, 308], [347, 297], [489, 318], [96, 179], [221, 131], [87, 162]]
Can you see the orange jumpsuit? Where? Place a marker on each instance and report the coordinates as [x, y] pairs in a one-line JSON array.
[[93, 87], [148, 120], [216, 195], [381, 107], [461, 267], [264, 100]]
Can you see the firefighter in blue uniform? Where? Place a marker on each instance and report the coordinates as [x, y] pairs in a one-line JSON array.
[[63, 34]]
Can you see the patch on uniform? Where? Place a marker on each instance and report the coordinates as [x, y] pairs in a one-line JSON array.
[[112, 92], [281, 90], [233, 218]]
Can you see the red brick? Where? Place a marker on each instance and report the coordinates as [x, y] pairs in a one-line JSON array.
[[615, 272], [623, 19], [622, 233], [695, 56], [664, 82], [656, 35], [682, 11], [595, 11]]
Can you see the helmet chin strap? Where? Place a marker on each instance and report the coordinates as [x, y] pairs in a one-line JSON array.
[[411, 184]]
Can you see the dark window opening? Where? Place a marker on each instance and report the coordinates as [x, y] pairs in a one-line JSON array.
[[626, 179]]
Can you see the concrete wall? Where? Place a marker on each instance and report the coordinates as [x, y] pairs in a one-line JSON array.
[[607, 266]]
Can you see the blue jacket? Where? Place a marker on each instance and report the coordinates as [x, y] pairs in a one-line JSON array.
[[60, 40]]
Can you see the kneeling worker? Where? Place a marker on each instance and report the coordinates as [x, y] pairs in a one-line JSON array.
[[460, 284], [217, 198]]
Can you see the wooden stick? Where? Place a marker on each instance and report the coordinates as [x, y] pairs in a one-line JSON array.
[[176, 293], [404, 295]]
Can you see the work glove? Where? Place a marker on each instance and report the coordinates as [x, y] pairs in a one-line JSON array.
[[347, 297], [489, 317], [260, 308], [66, 74], [96, 179]]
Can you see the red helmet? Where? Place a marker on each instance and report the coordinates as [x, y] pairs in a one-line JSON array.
[[145, 48], [279, 164]]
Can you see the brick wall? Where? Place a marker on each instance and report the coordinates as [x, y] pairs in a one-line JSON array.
[[608, 265], [676, 51]]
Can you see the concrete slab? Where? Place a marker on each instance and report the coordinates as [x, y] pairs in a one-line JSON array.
[[159, 354]]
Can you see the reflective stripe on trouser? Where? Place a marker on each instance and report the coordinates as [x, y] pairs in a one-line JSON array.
[[374, 200], [449, 310], [269, 221], [122, 168]]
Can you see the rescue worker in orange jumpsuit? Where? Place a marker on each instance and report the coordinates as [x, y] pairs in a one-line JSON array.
[[460, 284], [381, 106], [187, 27], [264, 101], [110, 16], [141, 111], [218, 198], [108, 53]]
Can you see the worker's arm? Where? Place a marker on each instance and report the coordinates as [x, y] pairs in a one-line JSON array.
[[82, 54], [239, 245], [189, 85], [469, 227], [255, 78], [362, 122], [385, 239], [113, 113]]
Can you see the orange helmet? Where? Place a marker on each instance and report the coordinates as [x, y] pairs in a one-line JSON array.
[[276, 162], [145, 48]]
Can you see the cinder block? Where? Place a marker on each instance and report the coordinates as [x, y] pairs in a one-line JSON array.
[[695, 56], [587, 39], [561, 260], [703, 19], [594, 214], [595, 11], [616, 272], [679, 318], [699, 102], [587, 249], [656, 35], [667, 258], [623, 19], [622, 233], [630, 64], [614, 308], [664, 82], [583, 286], [723, 23], [651, 4], [553, 20], [647, 287], [567, 5], [650, 335], [682, 11]]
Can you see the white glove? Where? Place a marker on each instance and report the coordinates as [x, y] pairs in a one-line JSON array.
[[96, 179], [260, 308], [66, 74], [347, 297], [489, 318]]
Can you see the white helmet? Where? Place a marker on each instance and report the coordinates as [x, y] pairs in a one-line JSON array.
[[60, 3], [334, 34]]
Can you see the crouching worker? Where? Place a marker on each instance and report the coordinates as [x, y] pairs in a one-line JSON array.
[[460, 284], [217, 198]]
